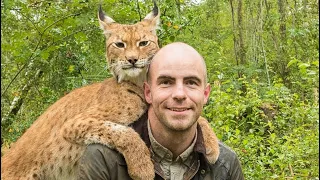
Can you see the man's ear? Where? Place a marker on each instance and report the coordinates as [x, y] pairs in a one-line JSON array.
[[147, 92], [206, 93]]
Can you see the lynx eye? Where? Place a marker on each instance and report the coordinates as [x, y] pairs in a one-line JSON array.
[[143, 43], [119, 44]]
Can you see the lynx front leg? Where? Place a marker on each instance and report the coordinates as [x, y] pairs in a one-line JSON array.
[[210, 140], [124, 139]]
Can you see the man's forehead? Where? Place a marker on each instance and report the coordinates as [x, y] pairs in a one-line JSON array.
[[177, 57], [174, 61], [176, 72]]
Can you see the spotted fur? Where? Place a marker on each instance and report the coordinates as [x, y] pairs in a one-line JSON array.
[[99, 113]]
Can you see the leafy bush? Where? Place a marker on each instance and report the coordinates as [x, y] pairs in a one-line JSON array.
[[274, 128], [274, 133]]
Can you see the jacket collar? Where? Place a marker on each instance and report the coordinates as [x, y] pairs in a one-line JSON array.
[[141, 127]]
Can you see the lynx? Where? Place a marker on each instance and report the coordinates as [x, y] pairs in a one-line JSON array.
[[97, 113]]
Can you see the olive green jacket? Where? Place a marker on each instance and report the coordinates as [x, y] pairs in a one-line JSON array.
[[102, 163]]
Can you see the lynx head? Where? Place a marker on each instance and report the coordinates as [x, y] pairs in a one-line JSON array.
[[130, 48]]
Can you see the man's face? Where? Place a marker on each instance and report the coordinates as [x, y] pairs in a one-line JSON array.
[[177, 90]]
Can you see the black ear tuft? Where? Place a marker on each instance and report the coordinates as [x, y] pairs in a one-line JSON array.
[[155, 8], [101, 13]]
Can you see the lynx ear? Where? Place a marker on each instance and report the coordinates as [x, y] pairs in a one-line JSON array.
[[104, 21], [154, 17]]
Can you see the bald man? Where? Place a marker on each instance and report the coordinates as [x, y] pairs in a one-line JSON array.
[[176, 90]]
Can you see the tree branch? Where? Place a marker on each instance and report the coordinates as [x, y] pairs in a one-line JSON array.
[[37, 46]]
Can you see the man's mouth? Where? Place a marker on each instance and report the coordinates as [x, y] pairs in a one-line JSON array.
[[179, 109]]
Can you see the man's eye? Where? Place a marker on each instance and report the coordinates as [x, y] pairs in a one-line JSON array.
[[165, 83], [143, 43], [192, 83], [119, 44]]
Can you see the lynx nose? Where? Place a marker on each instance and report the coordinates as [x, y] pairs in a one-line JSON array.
[[132, 60]]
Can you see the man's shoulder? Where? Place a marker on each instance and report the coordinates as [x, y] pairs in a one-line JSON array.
[[227, 156], [226, 151], [99, 152], [102, 162], [228, 165]]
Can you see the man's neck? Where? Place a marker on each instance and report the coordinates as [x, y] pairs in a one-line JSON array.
[[176, 141]]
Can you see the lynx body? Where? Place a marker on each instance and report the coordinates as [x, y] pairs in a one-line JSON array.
[[98, 113]]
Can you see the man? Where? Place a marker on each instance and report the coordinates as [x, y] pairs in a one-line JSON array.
[[176, 90]]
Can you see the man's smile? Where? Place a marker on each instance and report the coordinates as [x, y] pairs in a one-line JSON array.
[[179, 109]]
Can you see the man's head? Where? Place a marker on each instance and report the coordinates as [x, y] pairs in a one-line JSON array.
[[170, 50], [177, 87]]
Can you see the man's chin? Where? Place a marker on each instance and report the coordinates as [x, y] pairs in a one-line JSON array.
[[180, 125]]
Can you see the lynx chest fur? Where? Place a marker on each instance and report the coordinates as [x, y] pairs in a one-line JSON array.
[[97, 113]]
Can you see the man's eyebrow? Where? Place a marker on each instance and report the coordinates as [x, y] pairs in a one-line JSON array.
[[193, 78], [165, 77]]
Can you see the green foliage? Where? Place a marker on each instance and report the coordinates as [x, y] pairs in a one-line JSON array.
[[271, 129], [55, 38], [266, 109]]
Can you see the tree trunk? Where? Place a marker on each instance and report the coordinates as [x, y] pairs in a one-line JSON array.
[[242, 50], [18, 100], [239, 48], [235, 41], [282, 57], [262, 44]]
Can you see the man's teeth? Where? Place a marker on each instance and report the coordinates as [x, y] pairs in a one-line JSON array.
[[179, 110]]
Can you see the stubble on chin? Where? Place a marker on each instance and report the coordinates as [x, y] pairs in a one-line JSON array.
[[178, 124]]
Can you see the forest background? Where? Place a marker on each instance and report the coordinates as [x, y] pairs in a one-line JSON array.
[[262, 58]]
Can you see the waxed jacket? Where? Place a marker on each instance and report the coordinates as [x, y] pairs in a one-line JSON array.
[[102, 163]]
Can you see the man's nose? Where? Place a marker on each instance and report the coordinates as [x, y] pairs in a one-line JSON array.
[[179, 92]]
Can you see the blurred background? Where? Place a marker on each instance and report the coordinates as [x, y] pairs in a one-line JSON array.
[[262, 58]]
